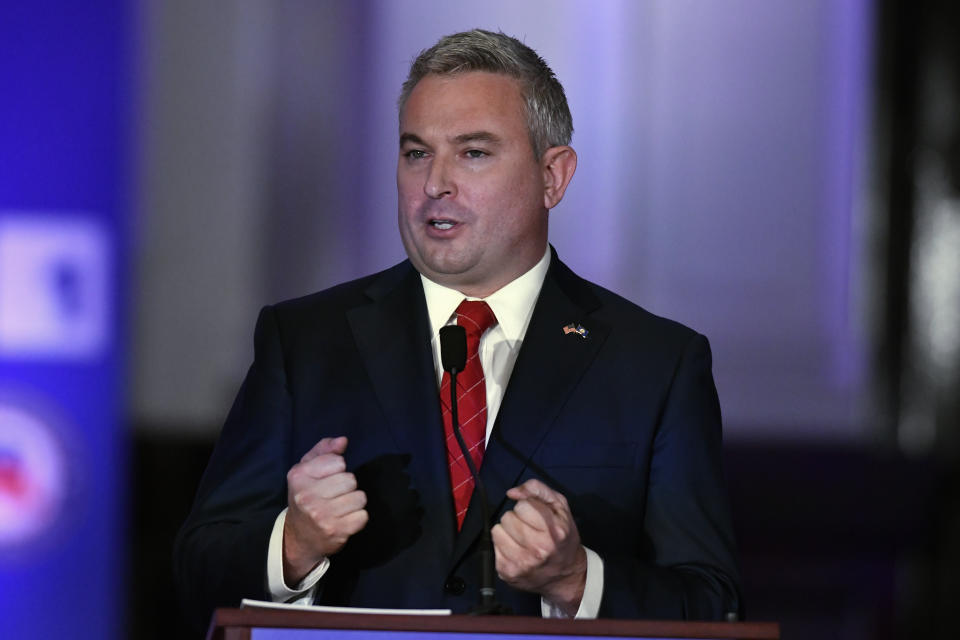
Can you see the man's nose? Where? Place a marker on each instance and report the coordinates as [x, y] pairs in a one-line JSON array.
[[439, 181]]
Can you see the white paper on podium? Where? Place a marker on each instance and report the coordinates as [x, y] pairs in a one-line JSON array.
[[246, 602]]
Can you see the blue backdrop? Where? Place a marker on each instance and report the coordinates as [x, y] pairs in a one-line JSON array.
[[65, 100]]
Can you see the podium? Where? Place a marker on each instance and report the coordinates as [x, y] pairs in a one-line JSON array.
[[275, 624]]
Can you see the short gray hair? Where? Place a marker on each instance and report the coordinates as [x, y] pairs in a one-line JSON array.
[[548, 116]]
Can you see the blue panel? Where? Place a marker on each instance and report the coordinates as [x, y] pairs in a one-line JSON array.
[[365, 634], [64, 111]]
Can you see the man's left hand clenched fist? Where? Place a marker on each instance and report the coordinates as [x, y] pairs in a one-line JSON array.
[[538, 548]]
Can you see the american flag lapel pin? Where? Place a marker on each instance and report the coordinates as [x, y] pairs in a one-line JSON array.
[[575, 328]]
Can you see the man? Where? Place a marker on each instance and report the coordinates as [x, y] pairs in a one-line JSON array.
[[595, 424]]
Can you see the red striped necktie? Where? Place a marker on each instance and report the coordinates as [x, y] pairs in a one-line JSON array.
[[476, 317]]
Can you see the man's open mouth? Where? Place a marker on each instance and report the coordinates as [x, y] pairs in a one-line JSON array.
[[443, 225]]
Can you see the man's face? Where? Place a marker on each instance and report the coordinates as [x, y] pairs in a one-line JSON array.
[[472, 210]]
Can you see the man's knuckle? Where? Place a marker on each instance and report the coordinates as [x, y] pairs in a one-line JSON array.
[[527, 565]]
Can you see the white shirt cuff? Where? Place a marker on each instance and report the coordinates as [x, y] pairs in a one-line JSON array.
[[592, 592], [303, 592]]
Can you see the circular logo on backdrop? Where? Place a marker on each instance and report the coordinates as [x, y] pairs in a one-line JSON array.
[[33, 476]]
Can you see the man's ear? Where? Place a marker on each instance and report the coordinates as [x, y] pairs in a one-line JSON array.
[[558, 165]]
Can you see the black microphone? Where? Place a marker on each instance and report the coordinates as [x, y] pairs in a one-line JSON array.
[[453, 349], [453, 358]]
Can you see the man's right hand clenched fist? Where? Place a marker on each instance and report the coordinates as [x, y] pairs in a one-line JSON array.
[[324, 508]]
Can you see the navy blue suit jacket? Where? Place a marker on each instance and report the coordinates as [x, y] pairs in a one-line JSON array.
[[625, 423]]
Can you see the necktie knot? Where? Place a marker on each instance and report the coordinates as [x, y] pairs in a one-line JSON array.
[[476, 317]]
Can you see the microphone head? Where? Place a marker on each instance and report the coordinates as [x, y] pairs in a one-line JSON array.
[[453, 348]]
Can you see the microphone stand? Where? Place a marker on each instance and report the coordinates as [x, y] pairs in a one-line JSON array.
[[488, 594]]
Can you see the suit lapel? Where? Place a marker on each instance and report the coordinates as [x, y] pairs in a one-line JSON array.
[[393, 336], [547, 370]]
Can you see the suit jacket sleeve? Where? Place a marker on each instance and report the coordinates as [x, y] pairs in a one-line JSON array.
[[685, 567], [221, 550]]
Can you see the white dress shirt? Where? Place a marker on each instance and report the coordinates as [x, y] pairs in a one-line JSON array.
[[513, 306]]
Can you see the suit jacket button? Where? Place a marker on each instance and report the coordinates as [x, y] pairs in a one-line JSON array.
[[455, 586]]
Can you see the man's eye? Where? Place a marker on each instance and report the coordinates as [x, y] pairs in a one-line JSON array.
[[415, 154], [475, 153]]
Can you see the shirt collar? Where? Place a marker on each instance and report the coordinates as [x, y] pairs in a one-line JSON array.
[[512, 304]]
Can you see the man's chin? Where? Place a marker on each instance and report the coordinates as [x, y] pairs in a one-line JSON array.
[[445, 265], [446, 275], [455, 275]]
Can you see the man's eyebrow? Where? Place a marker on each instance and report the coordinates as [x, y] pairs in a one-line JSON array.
[[477, 136], [463, 138], [411, 138]]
